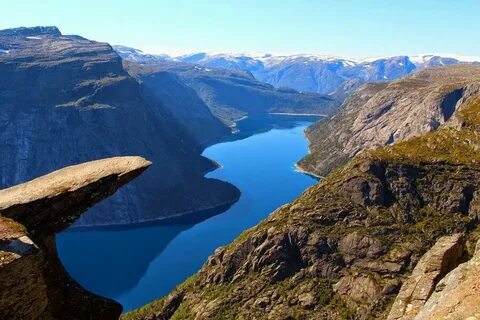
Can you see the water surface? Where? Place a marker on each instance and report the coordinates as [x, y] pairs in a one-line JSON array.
[[135, 265]]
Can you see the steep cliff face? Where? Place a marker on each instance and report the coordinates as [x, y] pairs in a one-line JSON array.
[[184, 105], [343, 249], [66, 99], [441, 287], [34, 283], [230, 94], [377, 115], [457, 295]]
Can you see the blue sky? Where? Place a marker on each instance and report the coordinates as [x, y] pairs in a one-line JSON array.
[[348, 28]]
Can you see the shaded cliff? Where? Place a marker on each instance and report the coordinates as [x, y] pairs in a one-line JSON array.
[[34, 283], [183, 103], [66, 99], [343, 249], [381, 114]]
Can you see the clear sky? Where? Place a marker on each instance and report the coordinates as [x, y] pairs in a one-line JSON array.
[[338, 27]]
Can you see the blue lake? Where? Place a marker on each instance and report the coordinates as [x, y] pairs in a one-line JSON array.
[[135, 265]]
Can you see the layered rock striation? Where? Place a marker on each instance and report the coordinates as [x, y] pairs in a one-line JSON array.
[[382, 114], [65, 99], [34, 283]]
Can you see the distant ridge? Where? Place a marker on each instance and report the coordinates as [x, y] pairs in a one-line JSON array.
[[325, 74], [31, 31]]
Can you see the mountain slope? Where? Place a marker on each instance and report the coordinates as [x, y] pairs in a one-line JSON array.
[[182, 102], [380, 114], [230, 94], [323, 74], [66, 99], [343, 248]]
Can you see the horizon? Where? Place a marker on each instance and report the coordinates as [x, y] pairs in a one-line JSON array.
[[257, 54], [351, 29]]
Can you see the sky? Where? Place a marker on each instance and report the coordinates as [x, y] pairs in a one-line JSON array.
[[355, 28]]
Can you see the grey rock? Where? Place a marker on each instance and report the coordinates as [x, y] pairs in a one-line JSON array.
[[439, 260]]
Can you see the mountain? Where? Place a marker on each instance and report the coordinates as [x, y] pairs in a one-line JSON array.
[[66, 99], [230, 94], [322, 74], [381, 114], [347, 246]]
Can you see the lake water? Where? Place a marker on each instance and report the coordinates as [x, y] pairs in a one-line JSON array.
[[135, 265]]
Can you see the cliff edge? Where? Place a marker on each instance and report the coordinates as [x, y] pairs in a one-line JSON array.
[[33, 281]]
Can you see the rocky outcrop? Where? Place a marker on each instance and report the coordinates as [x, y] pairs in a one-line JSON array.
[[435, 264], [34, 283], [381, 114], [66, 99], [432, 293], [457, 295], [343, 249]]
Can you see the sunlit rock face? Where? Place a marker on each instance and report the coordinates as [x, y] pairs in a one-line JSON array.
[[380, 114]]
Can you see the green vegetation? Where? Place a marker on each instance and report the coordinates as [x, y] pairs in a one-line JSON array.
[[397, 200]]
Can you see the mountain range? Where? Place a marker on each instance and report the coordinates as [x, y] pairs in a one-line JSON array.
[[356, 244], [336, 76], [230, 94], [389, 233]]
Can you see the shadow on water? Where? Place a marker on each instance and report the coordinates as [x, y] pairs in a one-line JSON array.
[[136, 264], [118, 246], [264, 123]]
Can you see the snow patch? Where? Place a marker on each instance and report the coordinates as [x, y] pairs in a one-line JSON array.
[[4, 51], [34, 38]]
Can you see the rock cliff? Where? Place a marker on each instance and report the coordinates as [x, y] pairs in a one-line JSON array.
[[457, 295], [440, 286], [343, 249], [381, 114], [34, 283], [65, 99]]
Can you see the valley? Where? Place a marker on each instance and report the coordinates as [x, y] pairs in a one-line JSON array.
[[205, 178], [135, 265]]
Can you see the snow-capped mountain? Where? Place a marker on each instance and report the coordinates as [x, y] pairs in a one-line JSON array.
[[315, 73], [138, 55], [323, 74]]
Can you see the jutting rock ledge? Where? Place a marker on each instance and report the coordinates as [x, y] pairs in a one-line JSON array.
[[34, 283]]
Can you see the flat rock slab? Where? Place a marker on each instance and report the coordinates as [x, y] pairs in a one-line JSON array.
[[50, 203]]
